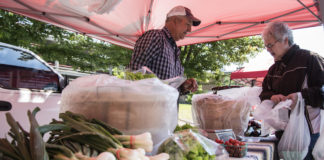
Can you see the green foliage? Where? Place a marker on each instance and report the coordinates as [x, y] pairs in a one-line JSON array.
[[189, 96], [201, 61], [205, 61], [53, 43]]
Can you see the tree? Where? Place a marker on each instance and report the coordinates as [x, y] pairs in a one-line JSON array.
[[22, 31], [205, 61], [53, 43], [201, 61], [86, 54]]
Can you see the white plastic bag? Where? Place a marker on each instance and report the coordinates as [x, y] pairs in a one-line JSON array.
[[274, 115], [295, 140], [133, 107], [224, 110], [318, 151]]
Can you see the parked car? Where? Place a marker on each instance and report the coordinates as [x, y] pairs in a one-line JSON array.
[[26, 82]]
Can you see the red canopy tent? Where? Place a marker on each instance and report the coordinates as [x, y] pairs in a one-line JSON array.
[[255, 78], [250, 74], [121, 22]]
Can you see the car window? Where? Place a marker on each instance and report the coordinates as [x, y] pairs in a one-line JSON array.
[[20, 58], [20, 69]]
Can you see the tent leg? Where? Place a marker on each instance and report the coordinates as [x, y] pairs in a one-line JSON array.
[[321, 9], [310, 11]]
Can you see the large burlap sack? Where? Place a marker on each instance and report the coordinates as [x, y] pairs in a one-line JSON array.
[[223, 111], [132, 107]]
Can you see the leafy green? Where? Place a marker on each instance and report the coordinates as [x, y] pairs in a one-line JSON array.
[[135, 76], [184, 146]]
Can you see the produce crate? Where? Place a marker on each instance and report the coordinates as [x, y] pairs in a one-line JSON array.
[[236, 150]]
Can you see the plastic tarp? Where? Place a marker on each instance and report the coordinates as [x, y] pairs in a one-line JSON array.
[[133, 107], [121, 22]]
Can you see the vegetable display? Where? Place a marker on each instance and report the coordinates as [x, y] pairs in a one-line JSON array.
[[188, 145], [135, 76], [234, 147], [74, 138], [184, 127]]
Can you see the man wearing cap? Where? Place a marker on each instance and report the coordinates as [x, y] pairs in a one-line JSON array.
[[157, 49]]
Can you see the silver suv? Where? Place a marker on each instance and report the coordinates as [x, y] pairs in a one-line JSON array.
[[26, 82]]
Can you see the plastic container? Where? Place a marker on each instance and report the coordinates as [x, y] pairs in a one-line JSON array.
[[236, 150]]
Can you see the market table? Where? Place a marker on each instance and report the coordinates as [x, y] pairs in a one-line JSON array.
[[265, 149], [259, 148]]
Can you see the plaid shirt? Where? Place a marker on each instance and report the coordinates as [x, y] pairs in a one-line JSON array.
[[158, 51]]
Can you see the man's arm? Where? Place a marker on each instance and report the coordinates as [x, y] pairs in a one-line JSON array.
[[313, 94], [190, 85]]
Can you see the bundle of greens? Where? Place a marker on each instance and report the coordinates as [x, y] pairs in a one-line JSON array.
[[184, 127], [139, 141], [73, 138], [30, 145], [98, 136], [135, 76]]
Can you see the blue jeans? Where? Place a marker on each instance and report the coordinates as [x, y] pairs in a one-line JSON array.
[[314, 138]]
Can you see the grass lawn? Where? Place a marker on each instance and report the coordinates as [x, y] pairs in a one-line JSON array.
[[185, 113]]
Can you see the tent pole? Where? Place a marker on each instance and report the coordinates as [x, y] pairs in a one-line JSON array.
[[321, 9], [309, 10], [148, 17]]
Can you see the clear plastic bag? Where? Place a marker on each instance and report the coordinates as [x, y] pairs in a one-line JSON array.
[[174, 82], [295, 140], [225, 110], [188, 144], [274, 115], [133, 107]]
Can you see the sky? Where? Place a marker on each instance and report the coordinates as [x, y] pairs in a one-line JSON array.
[[307, 38]]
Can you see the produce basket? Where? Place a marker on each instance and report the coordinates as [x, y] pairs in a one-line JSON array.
[[236, 150], [234, 147]]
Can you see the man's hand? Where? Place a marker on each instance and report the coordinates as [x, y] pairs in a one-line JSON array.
[[278, 98], [293, 97], [189, 85]]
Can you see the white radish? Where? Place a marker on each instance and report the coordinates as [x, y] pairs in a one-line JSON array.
[[161, 156], [106, 156]]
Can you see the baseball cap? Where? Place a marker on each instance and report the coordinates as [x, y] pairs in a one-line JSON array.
[[184, 11]]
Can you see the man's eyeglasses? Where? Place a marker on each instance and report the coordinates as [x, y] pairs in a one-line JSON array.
[[269, 45]]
